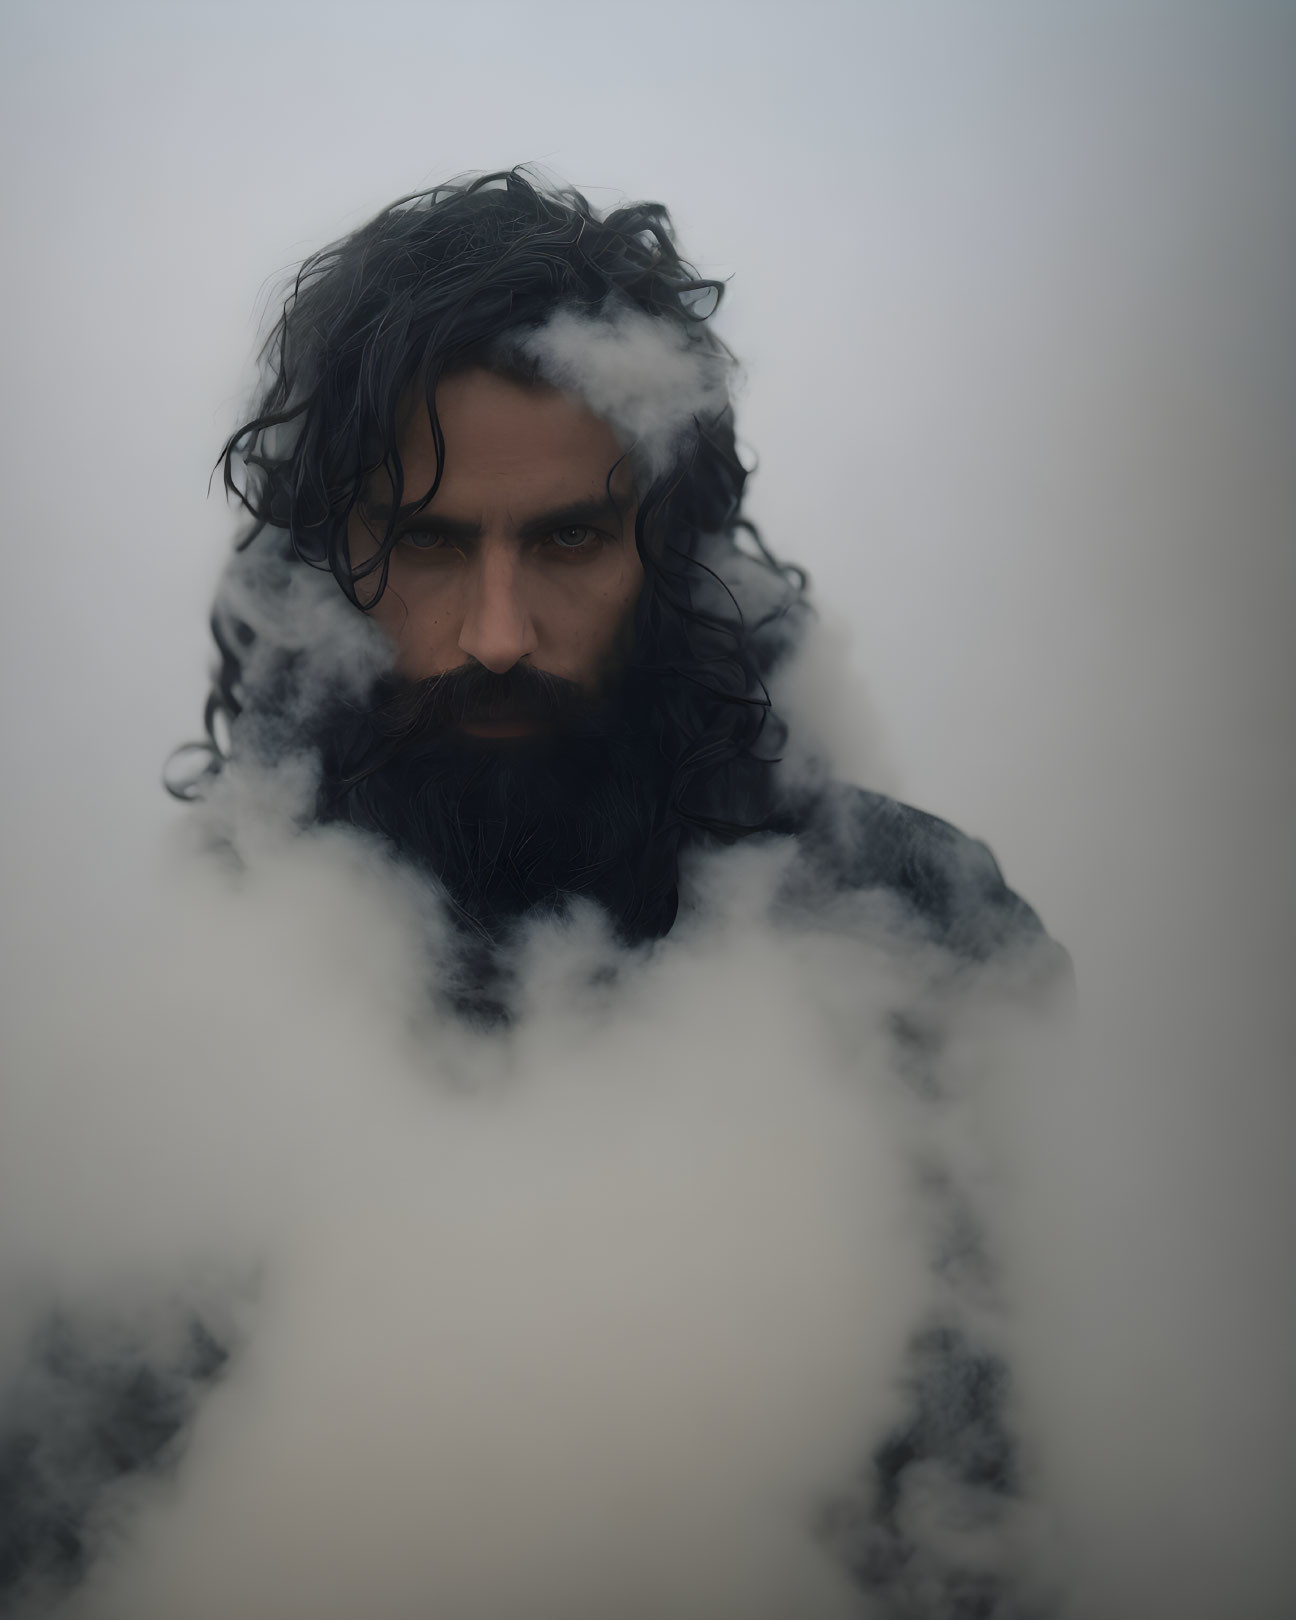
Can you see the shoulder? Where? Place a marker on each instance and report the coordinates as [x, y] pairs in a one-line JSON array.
[[948, 887]]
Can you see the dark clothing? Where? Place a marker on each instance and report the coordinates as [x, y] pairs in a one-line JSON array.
[[947, 886], [87, 1410]]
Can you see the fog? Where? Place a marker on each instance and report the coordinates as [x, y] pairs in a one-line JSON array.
[[1011, 293]]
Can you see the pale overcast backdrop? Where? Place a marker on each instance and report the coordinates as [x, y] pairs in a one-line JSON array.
[[1011, 283]]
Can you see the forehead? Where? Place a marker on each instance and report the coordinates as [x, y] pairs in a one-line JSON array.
[[505, 437]]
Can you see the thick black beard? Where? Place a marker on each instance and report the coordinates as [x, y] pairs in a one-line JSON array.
[[509, 826]]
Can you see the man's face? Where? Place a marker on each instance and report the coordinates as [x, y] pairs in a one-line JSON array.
[[526, 554]]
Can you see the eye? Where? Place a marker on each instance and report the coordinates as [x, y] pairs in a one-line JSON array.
[[422, 540], [575, 537]]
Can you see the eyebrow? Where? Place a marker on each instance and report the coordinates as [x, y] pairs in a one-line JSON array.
[[575, 514]]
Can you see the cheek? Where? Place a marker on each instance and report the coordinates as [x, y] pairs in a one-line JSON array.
[[596, 626], [621, 591], [421, 625], [629, 590]]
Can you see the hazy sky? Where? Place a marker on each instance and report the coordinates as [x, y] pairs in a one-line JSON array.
[[1012, 288]]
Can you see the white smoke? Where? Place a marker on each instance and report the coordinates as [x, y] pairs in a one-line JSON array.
[[293, 609], [593, 1315], [649, 378]]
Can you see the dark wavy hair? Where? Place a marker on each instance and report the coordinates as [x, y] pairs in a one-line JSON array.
[[433, 284]]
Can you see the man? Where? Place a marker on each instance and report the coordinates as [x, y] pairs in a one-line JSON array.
[[499, 590], [502, 424]]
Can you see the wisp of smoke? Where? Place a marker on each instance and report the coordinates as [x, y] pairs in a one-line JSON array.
[[650, 383]]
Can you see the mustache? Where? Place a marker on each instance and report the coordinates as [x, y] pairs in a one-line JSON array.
[[406, 716], [473, 694]]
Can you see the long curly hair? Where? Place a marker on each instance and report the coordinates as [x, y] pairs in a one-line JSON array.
[[438, 282]]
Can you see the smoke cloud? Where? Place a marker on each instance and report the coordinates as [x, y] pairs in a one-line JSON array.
[[599, 1313]]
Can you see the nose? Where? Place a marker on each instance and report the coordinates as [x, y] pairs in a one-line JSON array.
[[497, 630]]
